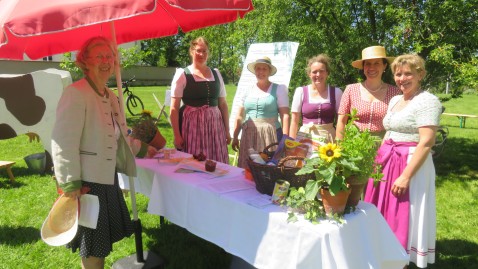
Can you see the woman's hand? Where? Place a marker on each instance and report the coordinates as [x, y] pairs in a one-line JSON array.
[[73, 194], [178, 142], [235, 144], [228, 138], [400, 186]]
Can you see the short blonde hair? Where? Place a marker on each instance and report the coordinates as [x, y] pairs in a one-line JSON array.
[[321, 58], [83, 54], [414, 61]]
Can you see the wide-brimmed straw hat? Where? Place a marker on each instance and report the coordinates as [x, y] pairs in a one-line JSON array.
[[61, 225], [264, 60], [374, 52]]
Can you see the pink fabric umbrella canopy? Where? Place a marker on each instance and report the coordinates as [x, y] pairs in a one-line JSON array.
[[42, 28]]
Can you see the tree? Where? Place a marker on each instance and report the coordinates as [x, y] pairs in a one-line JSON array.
[[443, 32]]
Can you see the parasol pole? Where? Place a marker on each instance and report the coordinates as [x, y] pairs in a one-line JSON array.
[[152, 260]]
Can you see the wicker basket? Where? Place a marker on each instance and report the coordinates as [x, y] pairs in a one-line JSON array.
[[265, 176]]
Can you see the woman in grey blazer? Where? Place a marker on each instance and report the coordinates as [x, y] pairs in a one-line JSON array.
[[90, 145]]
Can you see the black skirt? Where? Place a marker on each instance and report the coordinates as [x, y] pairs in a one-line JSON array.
[[114, 222]]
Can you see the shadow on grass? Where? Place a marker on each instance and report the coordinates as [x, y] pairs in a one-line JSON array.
[[458, 159], [454, 254], [22, 176], [16, 236], [182, 249]]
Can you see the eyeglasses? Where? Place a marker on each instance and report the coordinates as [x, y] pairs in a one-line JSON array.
[[101, 58]]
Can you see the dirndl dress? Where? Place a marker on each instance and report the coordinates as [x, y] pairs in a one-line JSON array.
[[257, 133], [203, 131]]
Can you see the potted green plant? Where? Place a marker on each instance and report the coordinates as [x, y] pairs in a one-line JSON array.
[[336, 164], [145, 129], [361, 147]]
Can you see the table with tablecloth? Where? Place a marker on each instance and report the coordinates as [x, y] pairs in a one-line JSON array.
[[229, 212]]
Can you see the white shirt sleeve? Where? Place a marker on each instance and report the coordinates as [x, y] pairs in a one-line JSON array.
[[297, 100], [222, 88], [338, 97], [179, 83], [282, 96]]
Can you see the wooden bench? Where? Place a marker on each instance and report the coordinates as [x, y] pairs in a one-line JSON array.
[[7, 165], [461, 117]]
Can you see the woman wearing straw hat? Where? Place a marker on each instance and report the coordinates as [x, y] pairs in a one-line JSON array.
[[370, 97], [260, 107]]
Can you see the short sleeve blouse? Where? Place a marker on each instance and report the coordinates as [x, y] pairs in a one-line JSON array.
[[423, 110], [370, 114]]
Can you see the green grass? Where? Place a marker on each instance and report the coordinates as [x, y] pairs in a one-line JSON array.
[[25, 204]]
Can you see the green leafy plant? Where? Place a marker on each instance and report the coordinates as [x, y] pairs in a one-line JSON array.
[[360, 148], [352, 156], [144, 127], [310, 207]]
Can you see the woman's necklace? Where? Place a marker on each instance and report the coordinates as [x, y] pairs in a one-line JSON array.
[[92, 84], [373, 91]]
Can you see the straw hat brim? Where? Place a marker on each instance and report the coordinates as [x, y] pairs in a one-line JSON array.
[[251, 67], [61, 224], [359, 65]]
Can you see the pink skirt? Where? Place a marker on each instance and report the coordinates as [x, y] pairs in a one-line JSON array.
[[203, 131]]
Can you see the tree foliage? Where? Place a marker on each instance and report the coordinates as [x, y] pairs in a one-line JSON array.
[[443, 32]]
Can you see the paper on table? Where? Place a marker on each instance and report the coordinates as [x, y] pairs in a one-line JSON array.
[[89, 210], [229, 186], [200, 167], [260, 201]]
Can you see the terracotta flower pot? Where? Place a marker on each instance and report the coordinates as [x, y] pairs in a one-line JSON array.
[[357, 188], [158, 140], [334, 204]]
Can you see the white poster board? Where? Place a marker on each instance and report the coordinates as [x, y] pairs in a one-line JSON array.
[[282, 55]]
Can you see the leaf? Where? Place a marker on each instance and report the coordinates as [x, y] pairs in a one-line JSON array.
[[311, 189], [336, 185], [292, 217]]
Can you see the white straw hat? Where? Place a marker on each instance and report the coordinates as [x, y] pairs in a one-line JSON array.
[[264, 60], [374, 52], [61, 225]]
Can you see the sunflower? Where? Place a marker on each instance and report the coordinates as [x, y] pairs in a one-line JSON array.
[[146, 113], [329, 152]]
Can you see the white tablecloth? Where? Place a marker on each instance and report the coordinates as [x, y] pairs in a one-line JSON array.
[[209, 208]]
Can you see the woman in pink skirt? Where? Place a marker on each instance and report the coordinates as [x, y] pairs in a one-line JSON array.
[[406, 197], [202, 123]]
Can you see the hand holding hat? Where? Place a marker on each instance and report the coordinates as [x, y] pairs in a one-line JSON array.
[[61, 225]]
